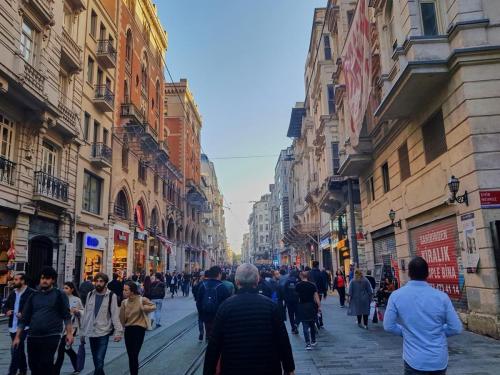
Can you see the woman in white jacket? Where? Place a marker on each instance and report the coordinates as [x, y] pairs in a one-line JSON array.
[[76, 308]]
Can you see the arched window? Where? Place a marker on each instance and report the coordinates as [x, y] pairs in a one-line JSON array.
[[389, 22], [126, 92], [144, 75], [125, 156], [121, 205], [128, 50], [157, 96]]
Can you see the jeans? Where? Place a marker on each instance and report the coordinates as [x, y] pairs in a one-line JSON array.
[[341, 295], [134, 338], [18, 356], [200, 325], [292, 314], [365, 319], [157, 313], [41, 352], [98, 347], [411, 371], [209, 325], [60, 356], [306, 326]]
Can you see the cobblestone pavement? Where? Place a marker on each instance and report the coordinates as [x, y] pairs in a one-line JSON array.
[[343, 348]]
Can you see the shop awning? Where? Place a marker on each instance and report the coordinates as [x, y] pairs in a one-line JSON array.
[[164, 240]]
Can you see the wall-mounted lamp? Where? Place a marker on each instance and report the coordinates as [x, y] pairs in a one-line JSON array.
[[454, 185], [392, 216]]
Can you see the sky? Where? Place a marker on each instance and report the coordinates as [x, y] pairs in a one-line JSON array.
[[244, 61]]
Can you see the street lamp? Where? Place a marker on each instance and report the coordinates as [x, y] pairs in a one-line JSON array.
[[454, 185], [392, 216]]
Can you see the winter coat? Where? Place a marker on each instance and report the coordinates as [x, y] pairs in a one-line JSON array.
[[249, 337], [360, 294]]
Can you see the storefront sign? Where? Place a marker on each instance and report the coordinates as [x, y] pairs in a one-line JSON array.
[[471, 256], [490, 199], [69, 262], [141, 236], [342, 243], [121, 237], [437, 245], [356, 59], [325, 243], [93, 241]]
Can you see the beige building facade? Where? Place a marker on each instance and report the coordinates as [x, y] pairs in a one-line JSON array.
[[430, 120]]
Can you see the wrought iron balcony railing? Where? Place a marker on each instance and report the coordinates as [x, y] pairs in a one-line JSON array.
[[104, 98], [102, 153], [7, 169], [50, 187], [106, 53]]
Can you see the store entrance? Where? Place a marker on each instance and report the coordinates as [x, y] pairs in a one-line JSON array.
[[40, 254]]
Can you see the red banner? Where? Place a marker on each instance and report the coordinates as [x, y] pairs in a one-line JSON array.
[[140, 217], [437, 245], [357, 66], [490, 199]]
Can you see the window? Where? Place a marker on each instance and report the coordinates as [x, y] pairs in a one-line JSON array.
[[429, 18], [102, 32], [404, 162], [99, 77], [158, 89], [28, 36], [93, 24], [261, 227], [121, 205], [331, 99], [350, 17], [370, 189], [90, 70], [156, 183], [327, 47], [49, 158], [267, 238], [385, 177], [267, 226], [261, 239], [434, 137], [105, 136], [143, 169], [335, 158], [86, 126], [128, 51], [6, 139], [91, 193], [97, 128], [125, 156]]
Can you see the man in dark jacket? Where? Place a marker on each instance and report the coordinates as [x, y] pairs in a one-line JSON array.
[[85, 288], [14, 307], [249, 336], [291, 299], [116, 287], [44, 313], [210, 294]]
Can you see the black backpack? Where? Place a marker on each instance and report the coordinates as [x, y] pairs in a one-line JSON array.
[[290, 294], [209, 303]]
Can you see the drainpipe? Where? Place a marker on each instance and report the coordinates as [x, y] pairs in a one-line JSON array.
[[352, 222]]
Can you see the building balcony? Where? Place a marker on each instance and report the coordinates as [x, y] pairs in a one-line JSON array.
[[71, 53], [106, 53], [149, 138], [7, 169], [102, 155], [355, 160], [130, 111], [162, 152], [104, 98], [44, 8], [50, 190], [34, 79], [77, 5], [421, 66], [67, 123]]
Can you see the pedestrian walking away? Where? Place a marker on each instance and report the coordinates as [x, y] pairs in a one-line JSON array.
[[85, 288], [101, 320], [339, 284], [360, 297], [228, 284], [211, 293], [157, 296], [292, 299], [134, 317], [14, 307], [308, 307], [76, 310], [46, 313], [424, 317], [173, 284], [196, 285], [116, 286], [249, 336]]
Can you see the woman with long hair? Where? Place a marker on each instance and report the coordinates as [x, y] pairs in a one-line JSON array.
[[339, 283], [134, 317], [76, 309], [360, 297]]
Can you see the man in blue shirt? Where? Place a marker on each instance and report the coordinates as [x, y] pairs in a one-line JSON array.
[[424, 317]]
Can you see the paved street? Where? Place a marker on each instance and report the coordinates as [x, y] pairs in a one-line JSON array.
[[342, 347]]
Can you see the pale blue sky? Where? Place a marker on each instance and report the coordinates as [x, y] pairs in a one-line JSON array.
[[244, 60]]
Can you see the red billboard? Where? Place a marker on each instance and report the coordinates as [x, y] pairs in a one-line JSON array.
[[437, 244]]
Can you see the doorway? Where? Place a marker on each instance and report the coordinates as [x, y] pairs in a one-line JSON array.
[[40, 254]]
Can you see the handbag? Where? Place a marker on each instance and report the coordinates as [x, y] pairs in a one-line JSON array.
[[80, 357], [146, 317]]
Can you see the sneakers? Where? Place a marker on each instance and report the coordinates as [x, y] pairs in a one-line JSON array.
[[314, 343], [365, 327], [308, 347], [200, 337], [158, 325]]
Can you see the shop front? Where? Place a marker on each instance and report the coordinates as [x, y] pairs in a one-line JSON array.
[[438, 243], [120, 252], [43, 246], [343, 255], [7, 250], [385, 254], [140, 250], [326, 252], [93, 254]]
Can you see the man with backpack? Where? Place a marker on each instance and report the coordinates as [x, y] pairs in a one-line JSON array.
[[291, 299], [210, 294], [101, 319], [157, 295]]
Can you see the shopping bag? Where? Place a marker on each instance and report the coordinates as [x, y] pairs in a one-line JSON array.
[[80, 357], [380, 314], [372, 310]]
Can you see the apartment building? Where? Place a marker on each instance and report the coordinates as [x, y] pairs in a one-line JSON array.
[[183, 125], [417, 100], [39, 130]]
